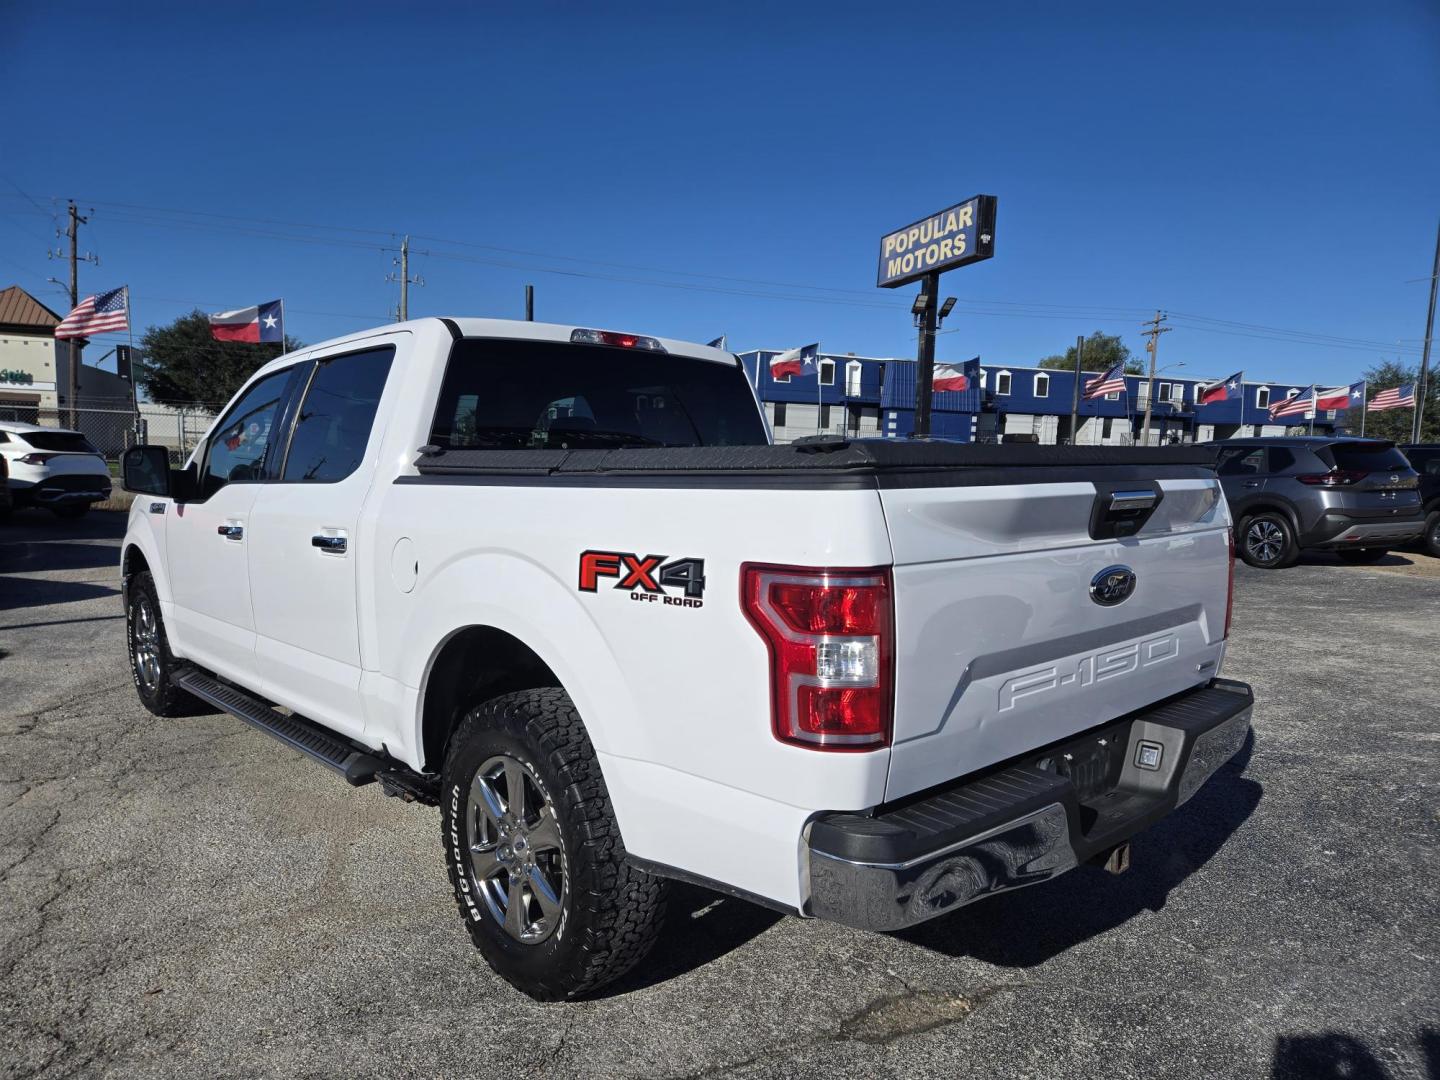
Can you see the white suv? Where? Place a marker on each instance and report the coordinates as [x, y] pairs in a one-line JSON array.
[[54, 468]]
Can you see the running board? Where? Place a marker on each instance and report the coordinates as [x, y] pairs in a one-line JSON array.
[[310, 739]]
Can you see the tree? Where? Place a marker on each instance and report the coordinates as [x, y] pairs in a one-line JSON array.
[[1395, 423], [1102, 352], [181, 363]]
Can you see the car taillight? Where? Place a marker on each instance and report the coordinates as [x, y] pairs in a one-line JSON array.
[[1230, 583], [36, 459], [831, 640], [1333, 478]]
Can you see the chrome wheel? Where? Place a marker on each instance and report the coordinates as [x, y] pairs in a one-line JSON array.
[[145, 642], [517, 860], [1265, 541]]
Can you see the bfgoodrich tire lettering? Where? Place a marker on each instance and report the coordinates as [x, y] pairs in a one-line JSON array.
[[609, 912]]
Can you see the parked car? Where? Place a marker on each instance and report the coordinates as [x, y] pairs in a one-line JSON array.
[[1356, 497], [1424, 458], [5, 501], [557, 581], [54, 468]]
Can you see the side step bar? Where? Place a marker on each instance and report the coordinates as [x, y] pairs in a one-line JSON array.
[[357, 766]]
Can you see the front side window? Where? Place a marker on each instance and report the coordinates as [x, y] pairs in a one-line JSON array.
[[514, 395], [241, 441], [333, 426]]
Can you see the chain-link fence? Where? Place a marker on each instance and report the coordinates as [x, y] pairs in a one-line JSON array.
[[111, 427]]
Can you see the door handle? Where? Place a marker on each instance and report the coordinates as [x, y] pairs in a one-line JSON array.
[[334, 545], [231, 532], [1252, 483]]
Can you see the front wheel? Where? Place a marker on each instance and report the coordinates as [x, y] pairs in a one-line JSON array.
[[1267, 541], [1363, 555], [534, 852], [152, 666]]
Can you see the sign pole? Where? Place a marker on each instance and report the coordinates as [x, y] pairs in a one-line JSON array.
[[925, 358]]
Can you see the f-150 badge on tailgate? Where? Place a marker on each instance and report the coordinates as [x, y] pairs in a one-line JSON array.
[[645, 577]]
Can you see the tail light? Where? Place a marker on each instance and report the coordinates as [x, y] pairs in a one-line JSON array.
[[1230, 583], [831, 640], [611, 337], [1333, 478], [35, 459]]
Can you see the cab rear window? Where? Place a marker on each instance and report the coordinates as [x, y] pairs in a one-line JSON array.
[[67, 442], [1366, 457], [514, 395]]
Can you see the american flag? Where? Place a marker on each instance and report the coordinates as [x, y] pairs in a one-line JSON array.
[[1300, 403], [97, 314], [1112, 382], [1397, 397]]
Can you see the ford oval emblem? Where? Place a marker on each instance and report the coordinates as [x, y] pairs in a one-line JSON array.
[[1113, 585]]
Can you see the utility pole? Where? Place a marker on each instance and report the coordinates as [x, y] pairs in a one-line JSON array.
[[924, 309], [1422, 384], [72, 346], [1075, 393], [1153, 348], [404, 279]]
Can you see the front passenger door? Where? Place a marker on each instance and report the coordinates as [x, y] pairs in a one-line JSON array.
[[207, 537]]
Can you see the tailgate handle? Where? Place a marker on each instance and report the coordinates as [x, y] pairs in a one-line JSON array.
[[1131, 500]]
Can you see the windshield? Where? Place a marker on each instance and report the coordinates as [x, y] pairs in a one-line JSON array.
[[1368, 457], [62, 441], [511, 395]]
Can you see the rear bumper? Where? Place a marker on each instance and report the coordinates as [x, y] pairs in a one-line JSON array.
[[60, 490], [1342, 530], [1026, 823]]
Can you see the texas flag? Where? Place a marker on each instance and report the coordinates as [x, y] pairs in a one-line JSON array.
[[962, 377], [1340, 397], [802, 361], [1223, 390], [263, 322]]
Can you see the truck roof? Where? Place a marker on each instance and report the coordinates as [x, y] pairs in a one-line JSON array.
[[505, 328]]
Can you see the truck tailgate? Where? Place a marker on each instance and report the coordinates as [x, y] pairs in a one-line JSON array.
[[1001, 647]]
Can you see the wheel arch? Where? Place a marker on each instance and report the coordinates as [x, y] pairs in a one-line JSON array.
[[1276, 506]]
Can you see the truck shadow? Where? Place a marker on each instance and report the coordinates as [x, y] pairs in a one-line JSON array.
[[700, 926], [1334, 1055], [1029, 926]]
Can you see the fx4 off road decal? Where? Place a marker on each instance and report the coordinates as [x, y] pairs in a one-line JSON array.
[[647, 578]]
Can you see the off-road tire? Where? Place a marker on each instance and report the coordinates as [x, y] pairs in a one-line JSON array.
[[1362, 555], [164, 698], [612, 911], [1287, 552]]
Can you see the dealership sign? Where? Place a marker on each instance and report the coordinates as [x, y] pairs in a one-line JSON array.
[[10, 377], [958, 236]]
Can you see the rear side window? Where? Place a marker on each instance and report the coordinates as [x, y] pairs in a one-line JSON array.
[[335, 419], [512, 395], [1242, 461], [1281, 460], [1365, 457], [60, 441]]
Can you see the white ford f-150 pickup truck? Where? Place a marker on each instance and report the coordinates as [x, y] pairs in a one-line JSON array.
[[558, 581]]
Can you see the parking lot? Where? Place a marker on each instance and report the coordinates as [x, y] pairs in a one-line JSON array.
[[190, 898]]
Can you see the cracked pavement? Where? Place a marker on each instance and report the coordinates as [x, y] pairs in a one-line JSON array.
[[189, 898]]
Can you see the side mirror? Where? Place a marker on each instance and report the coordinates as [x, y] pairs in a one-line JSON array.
[[145, 470]]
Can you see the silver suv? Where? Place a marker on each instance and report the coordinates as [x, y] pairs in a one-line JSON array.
[[1357, 497]]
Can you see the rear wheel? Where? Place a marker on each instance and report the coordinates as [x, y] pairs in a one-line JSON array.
[[1363, 555], [1430, 541], [534, 852], [1267, 541]]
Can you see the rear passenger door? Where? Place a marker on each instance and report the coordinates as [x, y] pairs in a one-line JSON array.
[[1242, 472], [303, 537]]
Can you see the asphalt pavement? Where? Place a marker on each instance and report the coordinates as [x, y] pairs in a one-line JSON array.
[[187, 898]]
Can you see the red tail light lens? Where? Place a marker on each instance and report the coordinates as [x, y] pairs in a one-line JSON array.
[[36, 459], [1333, 478], [1230, 583], [831, 640]]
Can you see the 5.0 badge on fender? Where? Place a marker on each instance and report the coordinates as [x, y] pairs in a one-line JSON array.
[[647, 577]]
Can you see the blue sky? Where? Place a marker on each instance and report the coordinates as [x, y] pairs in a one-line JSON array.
[[729, 170]]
